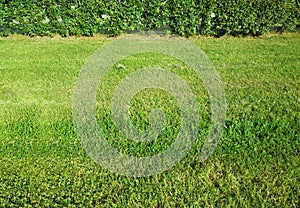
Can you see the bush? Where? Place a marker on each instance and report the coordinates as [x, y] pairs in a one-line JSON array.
[[189, 17]]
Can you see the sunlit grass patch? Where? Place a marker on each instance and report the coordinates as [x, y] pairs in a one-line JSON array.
[[255, 164]]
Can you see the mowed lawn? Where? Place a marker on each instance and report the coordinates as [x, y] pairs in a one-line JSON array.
[[256, 163]]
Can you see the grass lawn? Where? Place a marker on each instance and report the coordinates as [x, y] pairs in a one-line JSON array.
[[256, 163]]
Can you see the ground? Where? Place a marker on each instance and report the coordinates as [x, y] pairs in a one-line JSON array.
[[255, 164]]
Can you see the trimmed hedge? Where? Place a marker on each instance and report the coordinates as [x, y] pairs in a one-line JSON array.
[[183, 17]]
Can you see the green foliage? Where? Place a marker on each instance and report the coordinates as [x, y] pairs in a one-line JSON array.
[[189, 17]]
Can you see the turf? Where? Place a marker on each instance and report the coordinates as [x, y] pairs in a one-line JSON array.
[[256, 163]]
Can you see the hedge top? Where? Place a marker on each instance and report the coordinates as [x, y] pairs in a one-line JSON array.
[[189, 17]]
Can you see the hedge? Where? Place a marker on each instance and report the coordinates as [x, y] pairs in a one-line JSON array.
[[183, 17]]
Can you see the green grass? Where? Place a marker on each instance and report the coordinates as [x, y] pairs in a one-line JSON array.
[[255, 164]]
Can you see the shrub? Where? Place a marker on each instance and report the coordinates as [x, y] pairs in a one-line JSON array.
[[189, 17]]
